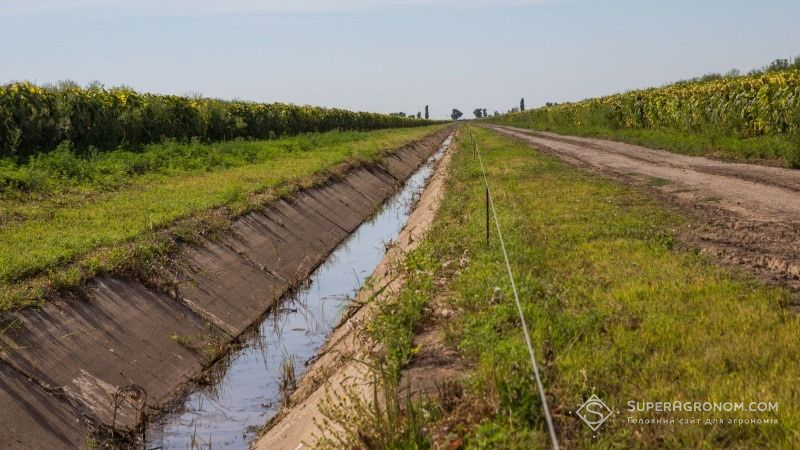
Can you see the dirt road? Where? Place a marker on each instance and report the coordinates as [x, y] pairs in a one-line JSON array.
[[750, 214]]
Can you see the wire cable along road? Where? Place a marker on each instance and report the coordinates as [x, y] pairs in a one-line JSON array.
[[490, 204]]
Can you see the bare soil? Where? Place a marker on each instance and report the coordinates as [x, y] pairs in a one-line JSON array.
[[749, 215]]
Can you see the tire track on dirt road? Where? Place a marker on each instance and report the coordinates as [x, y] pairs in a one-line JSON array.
[[749, 214]]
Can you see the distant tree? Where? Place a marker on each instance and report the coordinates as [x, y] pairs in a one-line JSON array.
[[514, 109], [478, 112], [733, 73], [782, 64], [419, 115], [711, 77], [484, 113], [426, 113], [496, 113], [778, 64], [456, 114], [398, 114], [522, 104]]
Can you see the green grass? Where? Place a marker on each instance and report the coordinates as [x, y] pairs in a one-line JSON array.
[[612, 303], [771, 150], [66, 171], [85, 218]]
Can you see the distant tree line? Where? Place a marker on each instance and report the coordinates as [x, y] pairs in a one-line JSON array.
[[418, 115], [479, 113], [778, 65]]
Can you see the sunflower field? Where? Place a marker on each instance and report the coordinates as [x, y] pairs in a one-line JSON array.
[[37, 119], [744, 106]]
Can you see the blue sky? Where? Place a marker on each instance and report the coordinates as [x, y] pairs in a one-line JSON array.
[[391, 55]]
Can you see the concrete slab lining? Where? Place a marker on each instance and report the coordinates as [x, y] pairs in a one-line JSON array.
[[100, 348], [31, 418], [124, 348]]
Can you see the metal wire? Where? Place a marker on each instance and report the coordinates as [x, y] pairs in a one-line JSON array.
[[542, 395]]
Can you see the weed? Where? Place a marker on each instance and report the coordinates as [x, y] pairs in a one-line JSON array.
[[186, 342], [611, 302], [287, 383], [376, 417]]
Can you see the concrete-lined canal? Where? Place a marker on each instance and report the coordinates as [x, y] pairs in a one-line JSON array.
[[244, 392]]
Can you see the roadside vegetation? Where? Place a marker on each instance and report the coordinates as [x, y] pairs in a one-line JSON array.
[[66, 216], [616, 306], [755, 117]]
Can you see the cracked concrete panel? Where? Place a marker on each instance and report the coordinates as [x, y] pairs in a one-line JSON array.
[[326, 205], [397, 167], [373, 184], [224, 287], [341, 196], [33, 419], [289, 239], [120, 336]]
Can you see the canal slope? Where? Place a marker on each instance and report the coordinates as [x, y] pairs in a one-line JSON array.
[[95, 363], [340, 370]]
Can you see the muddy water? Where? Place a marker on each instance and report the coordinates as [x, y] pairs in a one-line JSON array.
[[245, 392]]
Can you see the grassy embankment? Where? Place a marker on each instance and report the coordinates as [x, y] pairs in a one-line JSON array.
[[614, 308], [753, 118], [64, 218]]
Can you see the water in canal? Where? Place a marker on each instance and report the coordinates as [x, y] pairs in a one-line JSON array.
[[245, 394]]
